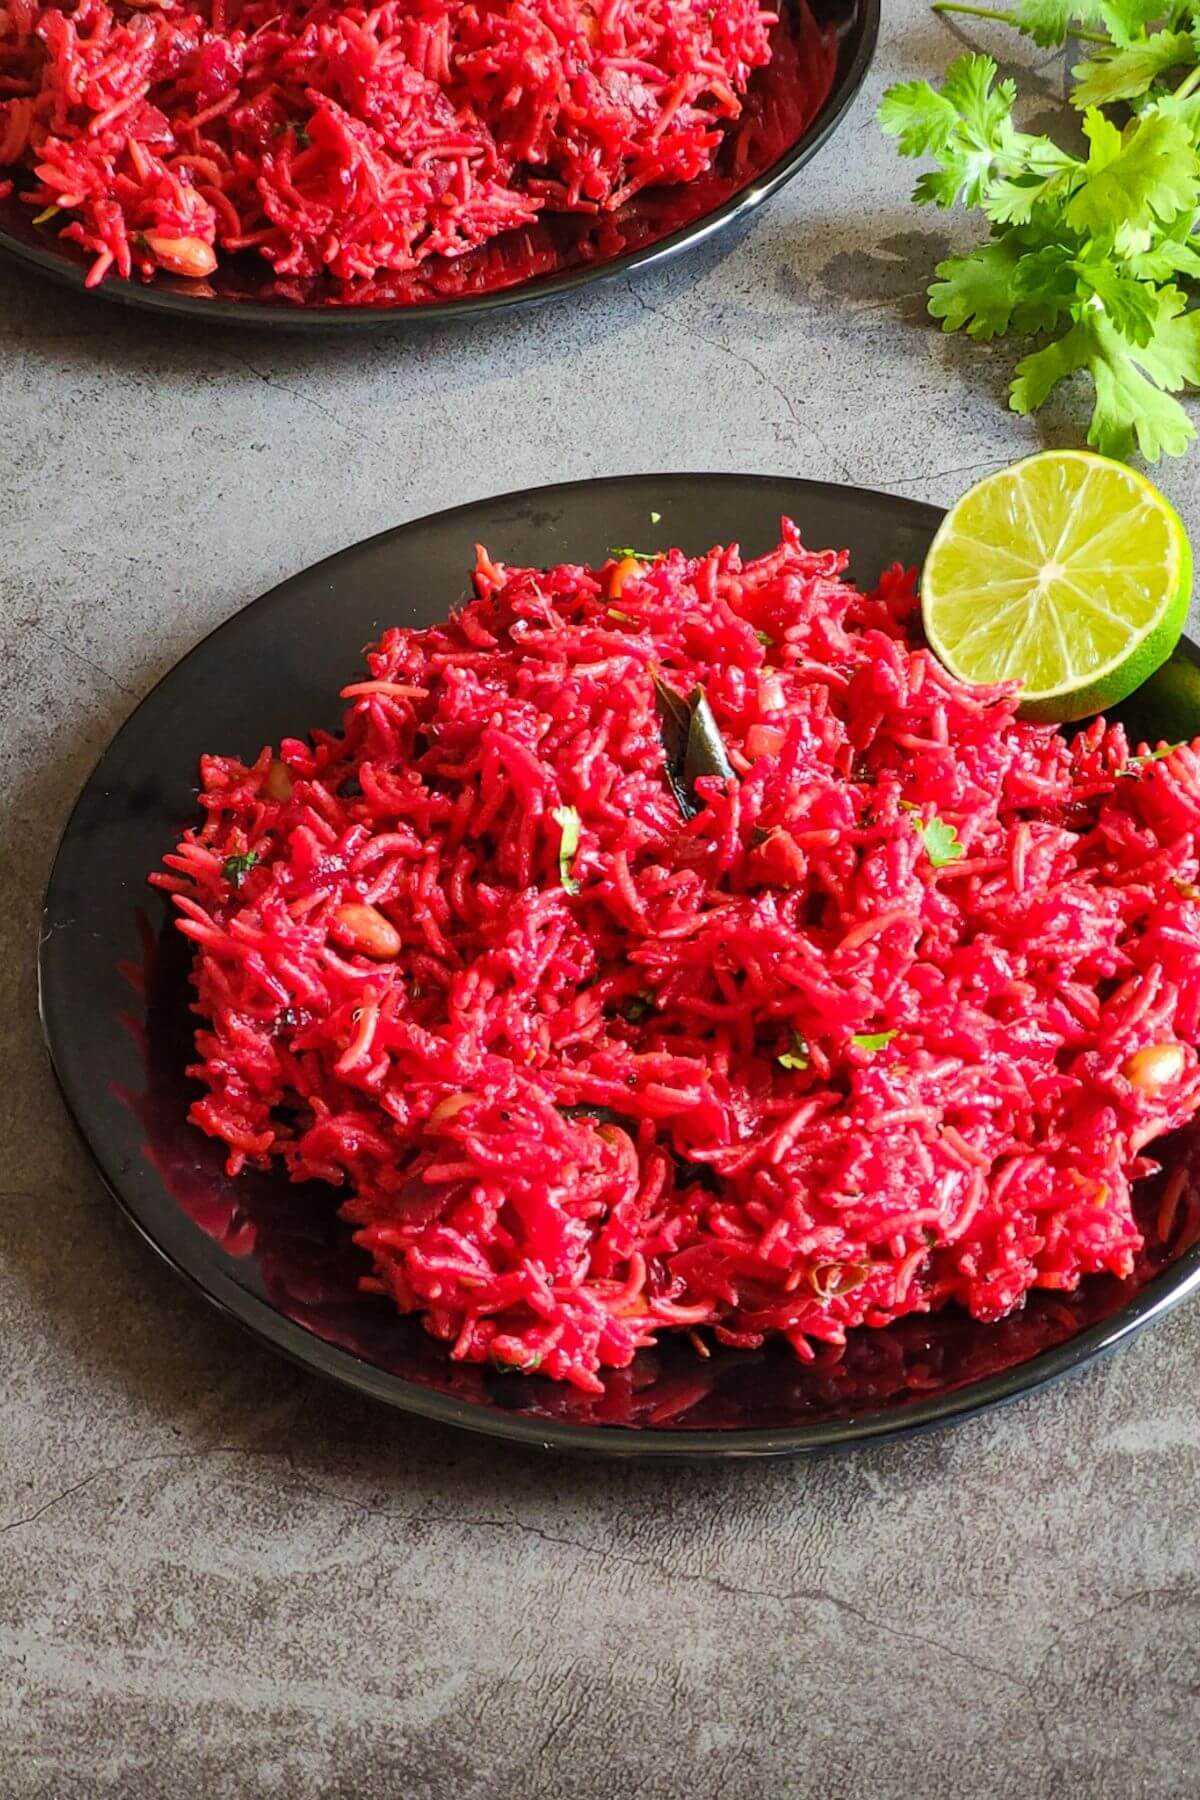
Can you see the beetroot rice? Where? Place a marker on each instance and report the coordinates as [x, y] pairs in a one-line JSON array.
[[353, 139], [587, 1070]]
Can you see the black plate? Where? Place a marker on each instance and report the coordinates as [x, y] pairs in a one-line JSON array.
[[275, 1257], [823, 49]]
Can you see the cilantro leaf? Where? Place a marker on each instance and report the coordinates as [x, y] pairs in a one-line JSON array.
[[940, 841], [964, 125], [1031, 172], [1172, 253], [920, 119], [1124, 20], [968, 87], [236, 868], [1147, 173], [1082, 253], [1131, 405], [1045, 21], [568, 820], [872, 1040], [977, 290], [797, 1057], [1040, 373], [1003, 286], [1172, 357], [1118, 74], [1047, 283], [1050, 21], [1134, 385], [1131, 305]]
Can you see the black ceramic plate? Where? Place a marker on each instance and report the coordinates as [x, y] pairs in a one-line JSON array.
[[823, 49], [275, 1257]]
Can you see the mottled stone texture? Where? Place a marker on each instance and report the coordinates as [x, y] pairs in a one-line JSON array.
[[220, 1578]]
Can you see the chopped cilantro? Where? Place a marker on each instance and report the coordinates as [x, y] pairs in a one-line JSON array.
[[236, 868], [569, 821], [797, 1056], [638, 1008], [872, 1040], [622, 552], [656, 518], [765, 639], [503, 1367], [1151, 756], [941, 844]]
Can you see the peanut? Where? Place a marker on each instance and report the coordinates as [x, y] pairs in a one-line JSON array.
[[189, 256], [279, 781], [373, 935], [450, 1107], [1155, 1067]]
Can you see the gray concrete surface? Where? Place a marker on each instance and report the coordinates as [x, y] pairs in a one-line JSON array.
[[219, 1578]]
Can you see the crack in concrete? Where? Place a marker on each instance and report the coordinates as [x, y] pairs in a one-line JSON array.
[[748, 362], [992, 462], [293, 393], [78, 656], [736, 1590], [691, 1577], [161, 1456], [57, 1500], [783, 1597]]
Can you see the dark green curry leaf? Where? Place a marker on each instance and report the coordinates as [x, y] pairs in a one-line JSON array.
[[706, 752], [693, 744], [599, 1115]]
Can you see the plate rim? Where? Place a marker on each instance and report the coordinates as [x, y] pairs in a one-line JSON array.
[[318, 1356], [150, 297]]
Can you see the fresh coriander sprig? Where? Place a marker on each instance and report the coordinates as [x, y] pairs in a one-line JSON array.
[[1085, 253]]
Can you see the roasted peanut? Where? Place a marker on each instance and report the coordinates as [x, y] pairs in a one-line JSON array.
[[450, 1107], [1155, 1067], [189, 256], [279, 781], [373, 935]]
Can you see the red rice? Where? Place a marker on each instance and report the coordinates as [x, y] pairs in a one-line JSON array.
[[355, 139], [560, 1118]]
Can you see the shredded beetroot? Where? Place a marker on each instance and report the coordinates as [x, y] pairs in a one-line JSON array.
[[351, 139], [886, 1023]]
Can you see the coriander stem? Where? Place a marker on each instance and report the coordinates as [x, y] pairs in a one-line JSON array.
[[1186, 85], [1008, 18]]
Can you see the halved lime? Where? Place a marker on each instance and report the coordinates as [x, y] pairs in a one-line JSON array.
[[1066, 572]]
